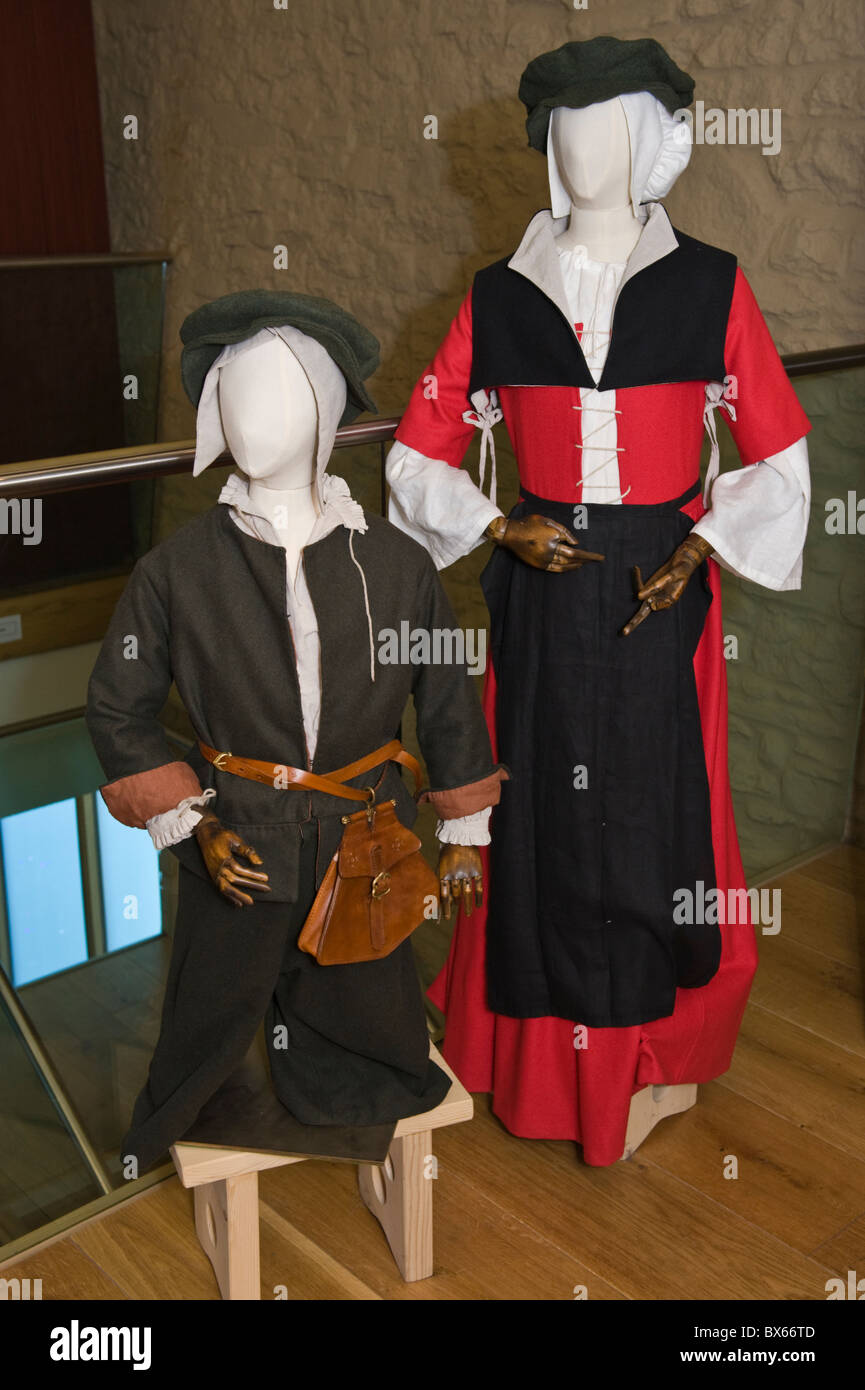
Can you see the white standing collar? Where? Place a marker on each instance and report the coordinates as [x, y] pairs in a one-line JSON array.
[[537, 256]]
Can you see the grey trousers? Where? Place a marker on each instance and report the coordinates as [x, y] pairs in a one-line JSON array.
[[347, 1044]]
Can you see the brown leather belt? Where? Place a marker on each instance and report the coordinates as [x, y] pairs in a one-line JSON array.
[[277, 775]]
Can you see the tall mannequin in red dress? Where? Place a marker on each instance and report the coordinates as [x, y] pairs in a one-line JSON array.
[[606, 342]]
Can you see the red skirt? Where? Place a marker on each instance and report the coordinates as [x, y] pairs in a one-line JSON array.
[[543, 1085]]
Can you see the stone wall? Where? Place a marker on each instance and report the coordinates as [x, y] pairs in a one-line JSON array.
[[303, 126], [796, 683]]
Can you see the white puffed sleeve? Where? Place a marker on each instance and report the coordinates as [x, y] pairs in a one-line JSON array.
[[758, 518], [437, 505]]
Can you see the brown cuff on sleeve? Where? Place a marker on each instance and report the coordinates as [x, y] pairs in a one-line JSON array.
[[133, 800], [464, 801]]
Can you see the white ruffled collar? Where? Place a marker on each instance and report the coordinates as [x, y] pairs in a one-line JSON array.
[[338, 507]]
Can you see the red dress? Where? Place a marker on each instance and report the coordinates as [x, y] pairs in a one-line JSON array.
[[549, 1080]]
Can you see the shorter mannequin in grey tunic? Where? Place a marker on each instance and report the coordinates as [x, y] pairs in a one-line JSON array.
[[208, 608]]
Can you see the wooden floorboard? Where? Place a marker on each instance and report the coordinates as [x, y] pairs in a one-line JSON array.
[[146, 1247], [481, 1251], [67, 1272], [842, 867], [792, 1072], [821, 916], [846, 1249], [790, 1183], [635, 1224], [526, 1219], [802, 985]]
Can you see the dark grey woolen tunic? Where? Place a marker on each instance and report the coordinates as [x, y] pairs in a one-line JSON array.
[[207, 609]]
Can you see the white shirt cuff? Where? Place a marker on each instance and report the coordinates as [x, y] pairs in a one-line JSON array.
[[465, 830], [169, 827]]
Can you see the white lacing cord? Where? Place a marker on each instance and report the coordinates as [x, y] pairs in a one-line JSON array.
[[619, 449], [365, 604], [485, 415], [588, 331], [715, 399]]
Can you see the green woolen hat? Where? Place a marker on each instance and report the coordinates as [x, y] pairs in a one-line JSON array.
[[232, 318], [583, 72]]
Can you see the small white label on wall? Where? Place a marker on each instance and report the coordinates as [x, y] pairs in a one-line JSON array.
[[10, 628]]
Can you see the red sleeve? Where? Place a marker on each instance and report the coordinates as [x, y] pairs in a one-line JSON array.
[[433, 423], [769, 417]]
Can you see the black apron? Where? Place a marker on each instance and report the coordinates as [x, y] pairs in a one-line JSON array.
[[607, 814]]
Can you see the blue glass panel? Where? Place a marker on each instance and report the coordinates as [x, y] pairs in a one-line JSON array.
[[44, 899], [131, 899]]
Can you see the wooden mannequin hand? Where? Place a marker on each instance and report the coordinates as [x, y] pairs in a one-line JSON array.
[[460, 877], [540, 542], [218, 846], [667, 585]]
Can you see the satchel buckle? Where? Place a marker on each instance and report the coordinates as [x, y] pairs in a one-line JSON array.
[[219, 760], [381, 884]]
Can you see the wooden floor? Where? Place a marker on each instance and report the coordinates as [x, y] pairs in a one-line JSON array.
[[522, 1219]]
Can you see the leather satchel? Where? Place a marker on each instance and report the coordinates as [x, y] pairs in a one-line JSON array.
[[378, 887]]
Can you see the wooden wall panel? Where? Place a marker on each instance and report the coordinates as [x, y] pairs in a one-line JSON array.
[[51, 168], [59, 365]]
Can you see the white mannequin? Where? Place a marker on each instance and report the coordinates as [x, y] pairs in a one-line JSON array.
[[592, 150], [609, 164], [270, 420]]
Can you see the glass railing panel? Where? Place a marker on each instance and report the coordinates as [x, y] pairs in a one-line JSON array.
[[42, 1173], [86, 912]]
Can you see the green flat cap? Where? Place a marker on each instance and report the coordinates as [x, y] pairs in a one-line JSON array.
[[583, 72], [232, 318]]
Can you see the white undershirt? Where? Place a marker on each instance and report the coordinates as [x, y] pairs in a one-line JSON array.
[[591, 288]]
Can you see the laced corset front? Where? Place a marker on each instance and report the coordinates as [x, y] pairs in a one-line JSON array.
[[591, 288]]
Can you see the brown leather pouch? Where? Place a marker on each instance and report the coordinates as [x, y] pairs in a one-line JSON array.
[[378, 887]]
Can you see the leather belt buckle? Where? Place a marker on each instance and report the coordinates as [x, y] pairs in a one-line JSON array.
[[381, 885], [219, 762]]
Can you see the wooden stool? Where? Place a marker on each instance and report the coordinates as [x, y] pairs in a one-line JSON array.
[[399, 1193]]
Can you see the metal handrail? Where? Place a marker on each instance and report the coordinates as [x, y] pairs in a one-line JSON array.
[[84, 258], [66, 474], [834, 359]]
